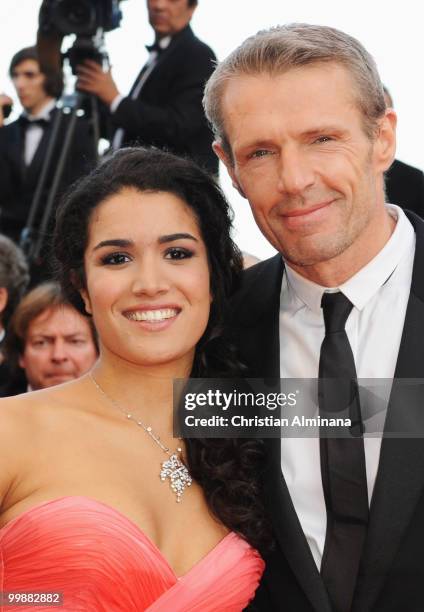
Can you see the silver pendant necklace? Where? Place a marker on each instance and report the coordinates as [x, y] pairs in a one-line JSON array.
[[172, 468]]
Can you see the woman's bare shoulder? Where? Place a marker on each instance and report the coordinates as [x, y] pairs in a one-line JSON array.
[[34, 404], [24, 422]]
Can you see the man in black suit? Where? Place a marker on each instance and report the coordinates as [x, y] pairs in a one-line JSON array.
[[404, 183], [24, 142], [164, 106], [301, 124]]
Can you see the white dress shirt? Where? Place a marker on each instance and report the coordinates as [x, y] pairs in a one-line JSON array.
[[379, 293], [34, 133]]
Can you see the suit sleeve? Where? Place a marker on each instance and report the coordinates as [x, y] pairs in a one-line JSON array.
[[180, 116]]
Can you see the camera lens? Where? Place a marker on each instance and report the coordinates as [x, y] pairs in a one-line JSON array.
[[75, 17]]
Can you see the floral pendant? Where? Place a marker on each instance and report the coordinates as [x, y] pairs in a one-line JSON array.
[[179, 476]]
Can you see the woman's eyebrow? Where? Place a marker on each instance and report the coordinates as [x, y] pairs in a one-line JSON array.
[[179, 236], [118, 242]]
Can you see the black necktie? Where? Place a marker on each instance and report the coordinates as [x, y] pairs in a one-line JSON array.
[[342, 458]]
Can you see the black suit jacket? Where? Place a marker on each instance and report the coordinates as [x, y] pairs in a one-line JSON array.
[[168, 112], [391, 577], [18, 182], [405, 187]]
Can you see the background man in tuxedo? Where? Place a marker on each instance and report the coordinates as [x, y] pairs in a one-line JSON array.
[[164, 106], [23, 143], [301, 124], [404, 183]]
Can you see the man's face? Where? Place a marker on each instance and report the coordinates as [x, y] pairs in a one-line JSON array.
[[58, 347], [301, 157], [29, 85], [167, 17]]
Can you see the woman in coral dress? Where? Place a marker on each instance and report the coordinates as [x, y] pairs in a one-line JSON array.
[[101, 508]]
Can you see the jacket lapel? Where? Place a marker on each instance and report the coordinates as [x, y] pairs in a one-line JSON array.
[[398, 487], [260, 345], [289, 532], [176, 41], [15, 147], [258, 336]]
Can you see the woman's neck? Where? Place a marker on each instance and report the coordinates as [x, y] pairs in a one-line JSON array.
[[146, 391]]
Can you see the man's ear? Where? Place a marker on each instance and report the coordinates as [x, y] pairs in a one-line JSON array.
[[223, 156], [385, 144]]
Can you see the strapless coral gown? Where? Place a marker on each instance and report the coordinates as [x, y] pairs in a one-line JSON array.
[[102, 562]]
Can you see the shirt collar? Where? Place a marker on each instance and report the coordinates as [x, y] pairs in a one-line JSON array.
[[43, 114], [159, 45], [165, 42], [361, 287]]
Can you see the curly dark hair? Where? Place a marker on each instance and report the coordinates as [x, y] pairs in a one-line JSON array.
[[229, 471]]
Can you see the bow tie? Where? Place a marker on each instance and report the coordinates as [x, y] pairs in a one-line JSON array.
[[26, 122], [155, 47]]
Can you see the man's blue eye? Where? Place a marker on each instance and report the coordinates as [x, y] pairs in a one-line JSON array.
[[260, 153]]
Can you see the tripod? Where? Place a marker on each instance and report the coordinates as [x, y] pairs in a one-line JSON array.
[[32, 239]]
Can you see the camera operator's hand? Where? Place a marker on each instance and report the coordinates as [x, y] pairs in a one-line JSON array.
[[93, 80], [4, 101]]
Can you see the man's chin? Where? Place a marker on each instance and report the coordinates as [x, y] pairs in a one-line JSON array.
[[316, 252]]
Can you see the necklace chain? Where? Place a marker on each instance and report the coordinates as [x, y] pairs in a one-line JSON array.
[[173, 468]]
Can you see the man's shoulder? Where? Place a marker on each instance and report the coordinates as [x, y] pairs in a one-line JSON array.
[[266, 268], [187, 41], [404, 170], [6, 131], [260, 284]]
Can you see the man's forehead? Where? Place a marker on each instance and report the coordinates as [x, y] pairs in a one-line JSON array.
[[58, 321], [254, 105], [26, 66], [289, 81]]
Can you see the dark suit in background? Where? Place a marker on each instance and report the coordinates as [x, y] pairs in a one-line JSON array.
[[405, 187], [168, 111], [18, 182], [391, 578]]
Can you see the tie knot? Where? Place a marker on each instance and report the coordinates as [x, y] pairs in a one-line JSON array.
[[336, 309], [155, 47], [26, 122]]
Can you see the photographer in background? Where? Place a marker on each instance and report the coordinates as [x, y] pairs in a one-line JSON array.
[[24, 142], [164, 106]]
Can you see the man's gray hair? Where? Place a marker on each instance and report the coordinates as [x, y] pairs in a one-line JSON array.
[[282, 48], [14, 275]]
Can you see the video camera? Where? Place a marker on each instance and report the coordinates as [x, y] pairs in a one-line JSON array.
[[87, 19], [81, 17]]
